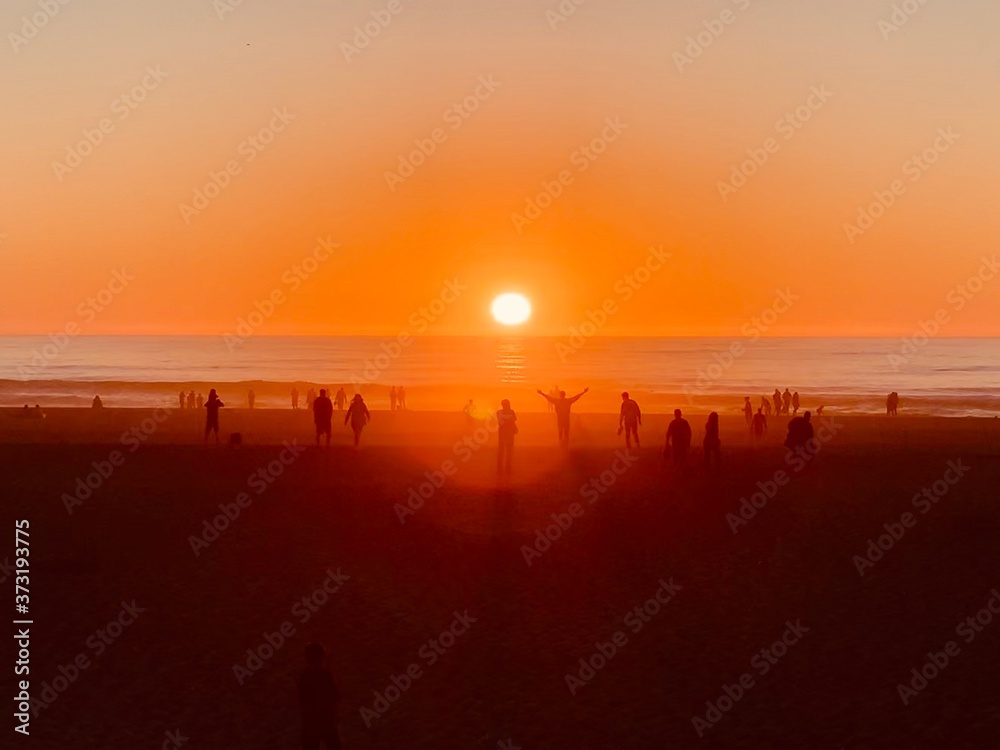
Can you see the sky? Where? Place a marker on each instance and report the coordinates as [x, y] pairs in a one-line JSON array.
[[377, 167]]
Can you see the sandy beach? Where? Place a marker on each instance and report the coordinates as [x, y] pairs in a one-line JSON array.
[[481, 596]]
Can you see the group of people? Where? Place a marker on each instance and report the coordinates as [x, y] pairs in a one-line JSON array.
[[679, 433], [357, 415], [339, 398], [190, 400], [778, 403]]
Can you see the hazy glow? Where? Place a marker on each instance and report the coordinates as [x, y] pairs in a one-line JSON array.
[[499, 146], [511, 309]]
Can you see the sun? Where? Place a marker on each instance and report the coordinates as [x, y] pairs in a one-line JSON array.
[[511, 309]]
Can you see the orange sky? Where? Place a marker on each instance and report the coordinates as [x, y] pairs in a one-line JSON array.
[[323, 174]]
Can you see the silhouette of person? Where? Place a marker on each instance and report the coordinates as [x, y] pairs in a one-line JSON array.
[[747, 410], [766, 403], [358, 415], [200, 401], [97, 403], [554, 393], [562, 405], [800, 431], [712, 443], [401, 397], [819, 411], [212, 422], [777, 402], [323, 416], [310, 397], [182, 399], [295, 398], [892, 404], [786, 401], [190, 399], [318, 699], [678, 439], [629, 419], [392, 399], [795, 403], [506, 430], [758, 427], [341, 399], [251, 397]]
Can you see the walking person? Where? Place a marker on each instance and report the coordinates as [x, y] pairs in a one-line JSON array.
[[358, 415], [678, 440], [629, 419], [213, 405], [758, 428], [318, 699], [323, 416]]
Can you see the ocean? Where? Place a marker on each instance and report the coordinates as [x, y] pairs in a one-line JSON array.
[[949, 377]]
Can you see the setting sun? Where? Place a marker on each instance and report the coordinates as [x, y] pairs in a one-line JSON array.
[[511, 309]]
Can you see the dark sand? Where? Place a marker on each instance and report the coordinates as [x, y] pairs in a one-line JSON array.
[[505, 677]]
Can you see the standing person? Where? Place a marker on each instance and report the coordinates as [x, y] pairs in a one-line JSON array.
[[795, 403], [401, 397], [200, 401], [182, 399], [213, 405], [295, 398], [777, 402], [786, 401], [562, 405], [892, 404], [766, 403], [318, 699], [97, 403], [191, 400], [629, 419], [323, 416], [506, 430], [758, 428], [678, 439], [747, 411], [358, 415], [392, 399], [251, 397], [712, 444], [310, 397], [341, 399]]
